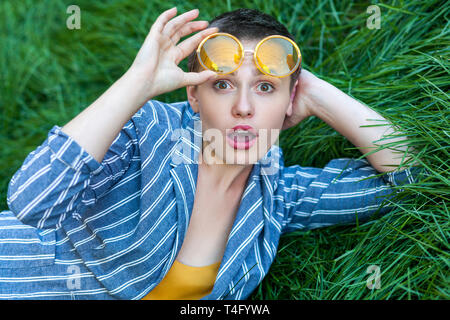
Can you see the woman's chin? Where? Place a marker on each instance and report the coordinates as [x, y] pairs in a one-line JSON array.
[[242, 156]]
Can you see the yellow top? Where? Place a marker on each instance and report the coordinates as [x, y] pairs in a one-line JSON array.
[[183, 282]]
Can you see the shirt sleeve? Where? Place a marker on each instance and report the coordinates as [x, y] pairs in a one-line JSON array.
[[344, 191], [55, 178]]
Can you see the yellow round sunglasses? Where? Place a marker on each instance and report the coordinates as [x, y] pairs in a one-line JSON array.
[[275, 55]]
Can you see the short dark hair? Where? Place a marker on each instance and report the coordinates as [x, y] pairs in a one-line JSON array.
[[246, 24]]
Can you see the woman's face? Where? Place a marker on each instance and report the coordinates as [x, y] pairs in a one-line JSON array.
[[245, 97]]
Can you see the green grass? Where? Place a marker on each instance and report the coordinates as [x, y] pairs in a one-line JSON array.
[[48, 74]]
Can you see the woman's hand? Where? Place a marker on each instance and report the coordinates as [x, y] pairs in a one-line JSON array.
[[302, 104], [156, 63]]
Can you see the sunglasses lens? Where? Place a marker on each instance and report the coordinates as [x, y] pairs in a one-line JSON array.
[[277, 56], [221, 54]]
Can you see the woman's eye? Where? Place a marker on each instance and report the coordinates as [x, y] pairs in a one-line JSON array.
[[220, 84], [265, 87]]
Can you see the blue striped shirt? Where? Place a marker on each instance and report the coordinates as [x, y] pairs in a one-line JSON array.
[[126, 217]]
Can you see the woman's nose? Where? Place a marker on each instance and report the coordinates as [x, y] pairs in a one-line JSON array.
[[243, 107]]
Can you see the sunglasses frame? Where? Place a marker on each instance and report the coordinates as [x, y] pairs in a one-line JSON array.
[[299, 55]]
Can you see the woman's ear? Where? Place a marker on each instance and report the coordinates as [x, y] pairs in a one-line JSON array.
[[291, 102], [191, 92], [289, 109]]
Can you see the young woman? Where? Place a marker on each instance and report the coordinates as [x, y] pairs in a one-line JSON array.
[[139, 199]]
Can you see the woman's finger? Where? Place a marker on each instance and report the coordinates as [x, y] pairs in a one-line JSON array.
[[189, 28], [196, 78], [173, 25], [191, 43], [163, 18]]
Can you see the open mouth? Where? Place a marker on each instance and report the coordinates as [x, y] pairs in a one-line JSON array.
[[242, 135], [241, 139]]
